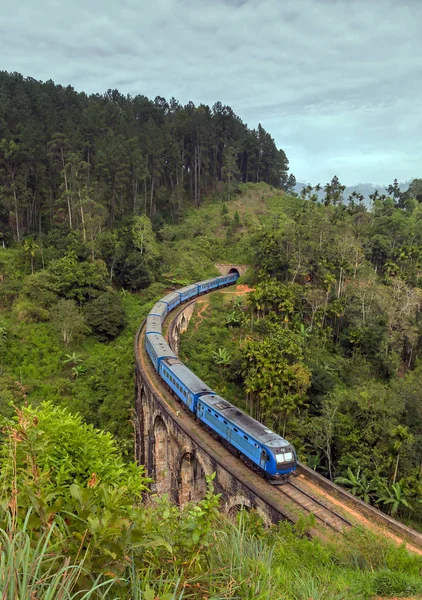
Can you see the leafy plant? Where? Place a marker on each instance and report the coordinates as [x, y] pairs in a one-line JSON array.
[[359, 485], [394, 498]]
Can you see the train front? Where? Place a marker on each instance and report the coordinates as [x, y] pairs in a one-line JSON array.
[[283, 460]]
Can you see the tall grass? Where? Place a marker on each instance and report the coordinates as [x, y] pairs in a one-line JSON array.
[[280, 564], [40, 571]]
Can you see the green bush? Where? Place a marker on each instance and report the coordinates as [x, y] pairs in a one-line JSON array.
[[105, 316], [29, 312]]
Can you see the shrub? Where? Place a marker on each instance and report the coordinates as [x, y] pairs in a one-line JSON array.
[[68, 320], [28, 312], [41, 288], [105, 316]]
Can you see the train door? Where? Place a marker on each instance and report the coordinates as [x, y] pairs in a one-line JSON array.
[[263, 460], [190, 401]]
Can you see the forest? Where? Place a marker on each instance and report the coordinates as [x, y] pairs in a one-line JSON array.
[[106, 203], [88, 161], [326, 348]]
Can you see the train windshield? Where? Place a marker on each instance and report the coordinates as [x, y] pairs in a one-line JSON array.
[[286, 457]]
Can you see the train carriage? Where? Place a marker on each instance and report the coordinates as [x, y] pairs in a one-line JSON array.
[[154, 324], [160, 309], [185, 384], [171, 300], [188, 292], [227, 279], [207, 285], [158, 349]]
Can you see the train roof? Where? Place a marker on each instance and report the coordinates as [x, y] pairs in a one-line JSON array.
[[170, 297], [206, 281], [188, 378], [158, 308], [160, 346], [154, 322], [188, 287], [224, 276], [249, 425]]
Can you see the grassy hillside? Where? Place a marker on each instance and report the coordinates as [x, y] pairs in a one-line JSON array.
[[283, 327], [222, 231], [35, 363]]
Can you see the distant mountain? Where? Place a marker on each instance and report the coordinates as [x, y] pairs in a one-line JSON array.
[[363, 188]]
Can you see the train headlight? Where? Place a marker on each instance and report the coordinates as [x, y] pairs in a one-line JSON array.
[[284, 458]]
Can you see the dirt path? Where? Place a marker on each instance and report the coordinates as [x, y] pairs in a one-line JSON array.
[[200, 315], [357, 517], [240, 290]]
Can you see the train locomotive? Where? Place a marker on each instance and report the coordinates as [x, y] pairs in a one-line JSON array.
[[269, 453]]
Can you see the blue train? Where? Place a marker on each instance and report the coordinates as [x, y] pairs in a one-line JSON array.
[[271, 454]]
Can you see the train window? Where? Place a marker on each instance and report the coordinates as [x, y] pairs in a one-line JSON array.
[[234, 429], [215, 414], [246, 437], [225, 422], [208, 409]]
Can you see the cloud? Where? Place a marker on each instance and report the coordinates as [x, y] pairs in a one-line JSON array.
[[337, 83]]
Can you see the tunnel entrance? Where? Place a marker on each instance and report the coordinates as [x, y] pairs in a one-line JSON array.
[[234, 270]]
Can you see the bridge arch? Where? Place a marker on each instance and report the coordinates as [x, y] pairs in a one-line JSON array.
[[140, 420], [191, 479], [236, 504], [161, 456], [183, 324]]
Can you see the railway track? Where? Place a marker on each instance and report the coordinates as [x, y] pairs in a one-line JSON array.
[[322, 511]]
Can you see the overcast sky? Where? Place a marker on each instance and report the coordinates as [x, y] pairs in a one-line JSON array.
[[336, 82]]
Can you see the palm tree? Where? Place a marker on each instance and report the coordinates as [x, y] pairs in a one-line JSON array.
[[395, 497], [402, 435], [31, 248]]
